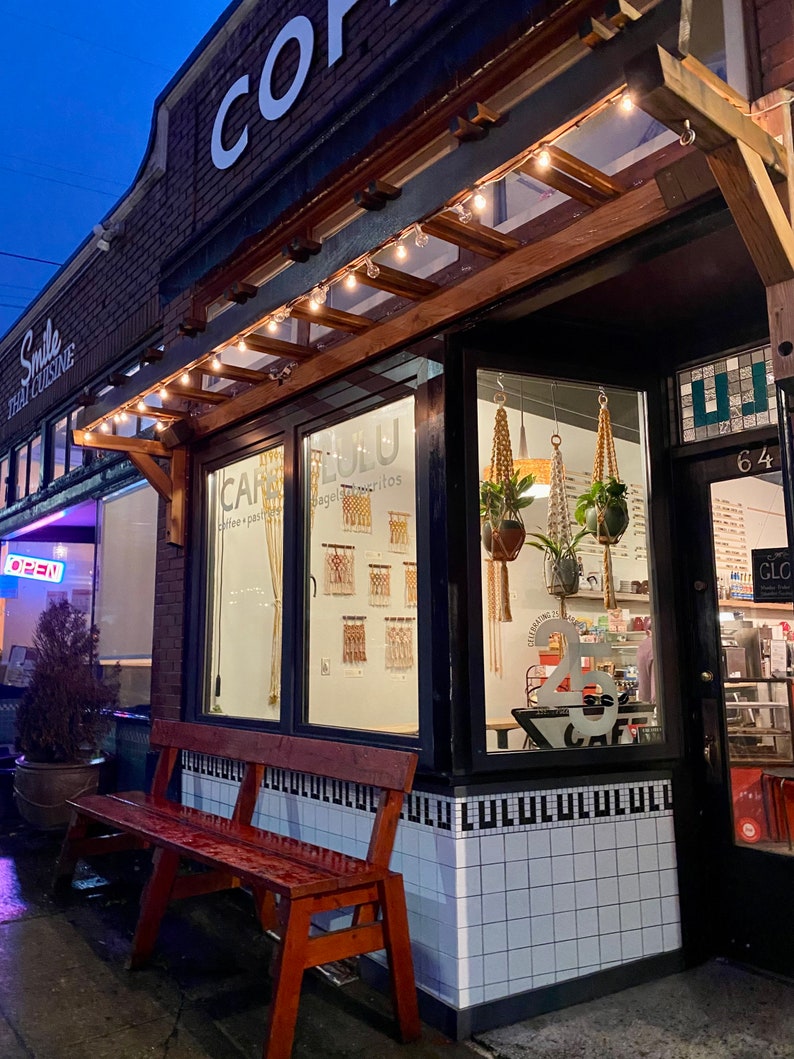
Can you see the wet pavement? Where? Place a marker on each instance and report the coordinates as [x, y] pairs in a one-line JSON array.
[[65, 993]]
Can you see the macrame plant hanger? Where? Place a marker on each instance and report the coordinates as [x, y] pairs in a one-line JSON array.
[[498, 581], [558, 522], [605, 464]]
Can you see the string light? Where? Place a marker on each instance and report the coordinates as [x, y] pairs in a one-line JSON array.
[[464, 215], [372, 269], [185, 378], [159, 426], [117, 417], [400, 250], [479, 201], [543, 157], [215, 363], [163, 393], [626, 102], [271, 326], [105, 427], [350, 280], [421, 238], [88, 434], [242, 346], [142, 407], [123, 417], [282, 315]]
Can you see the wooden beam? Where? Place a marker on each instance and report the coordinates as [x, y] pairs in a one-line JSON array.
[[620, 13], [397, 282], [587, 174], [486, 242], [594, 33], [234, 372], [664, 88], [151, 412], [722, 88], [780, 307], [756, 209], [561, 182], [176, 510], [153, 473], [636, 211], [194, 393], [337, 319], [115, 443], [277, 347]]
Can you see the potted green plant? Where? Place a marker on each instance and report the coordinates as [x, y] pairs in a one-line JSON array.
[[561, 563], [501, 504], [603, 510], [63, 715]]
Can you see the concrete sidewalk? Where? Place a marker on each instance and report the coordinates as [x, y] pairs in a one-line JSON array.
[[64, 992]]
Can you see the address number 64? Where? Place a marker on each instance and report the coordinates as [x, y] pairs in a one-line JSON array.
[[744, 461]]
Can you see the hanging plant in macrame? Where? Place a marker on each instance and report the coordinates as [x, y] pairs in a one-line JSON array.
[[603, 510], [558, 544]]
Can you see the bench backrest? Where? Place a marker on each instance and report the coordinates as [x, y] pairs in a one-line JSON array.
[[390, 770]]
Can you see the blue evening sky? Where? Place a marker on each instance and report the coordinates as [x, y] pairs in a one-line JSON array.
[[78, 80]]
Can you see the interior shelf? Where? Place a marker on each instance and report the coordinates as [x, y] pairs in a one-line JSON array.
[[749, 604]]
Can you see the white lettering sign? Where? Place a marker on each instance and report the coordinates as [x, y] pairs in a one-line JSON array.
[[301, 30], [40, 366], [34, 569]]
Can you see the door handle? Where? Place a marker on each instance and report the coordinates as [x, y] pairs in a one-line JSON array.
[[708, 750]]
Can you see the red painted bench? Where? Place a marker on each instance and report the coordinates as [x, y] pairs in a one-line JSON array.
[[290, 880]]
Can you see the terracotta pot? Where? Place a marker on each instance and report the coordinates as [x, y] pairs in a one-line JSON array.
[[562, 576], [607, 524], [41, 789], [506, 541]]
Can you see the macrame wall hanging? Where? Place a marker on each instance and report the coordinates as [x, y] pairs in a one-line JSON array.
[[340, 570], [356, 509], [609, 521], [398, 531], [315, 466], [354, 638], [411, 584], [379, 584], [399, 643], [560, 581]]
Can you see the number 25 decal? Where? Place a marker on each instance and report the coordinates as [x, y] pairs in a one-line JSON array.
[[744, 461], [570, 665]]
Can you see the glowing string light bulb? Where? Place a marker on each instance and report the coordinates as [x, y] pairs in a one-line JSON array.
[[123, 417], [242, 346], [271, 325], [163, 393], [215, 363], [159, 426], [185, 378], [543, 157], [105, 428], [626, 102], [141, 405], [350, 281], [400, 250], [479, 201], [317, 297]]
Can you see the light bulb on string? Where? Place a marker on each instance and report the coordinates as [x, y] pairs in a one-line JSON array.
[[215, 363], [163, 393], [372, 269], [159, 426], [350, 280], [242, 346], [464, 215], [543, 157], [123, 417], [421, 238], [141, 405], [400, 250], [626, 103], [185, 378], [117, 417], [282, 315], [105, 427], [271, 326], [479, 201]]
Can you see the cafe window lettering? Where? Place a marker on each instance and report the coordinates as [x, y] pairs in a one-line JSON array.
[[245, 553], [567, 593], [361, 636]]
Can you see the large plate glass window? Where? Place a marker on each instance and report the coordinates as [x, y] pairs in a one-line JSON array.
[[244, 602], [362, 591], [567, 629]]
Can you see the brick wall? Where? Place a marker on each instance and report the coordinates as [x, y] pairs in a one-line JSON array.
[[775, 21], [168, 630]]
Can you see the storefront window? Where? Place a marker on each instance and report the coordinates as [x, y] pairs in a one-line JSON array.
[[567, 638], [21, 472], [245, 505], [362, 593], [4, 469], [34, 476]]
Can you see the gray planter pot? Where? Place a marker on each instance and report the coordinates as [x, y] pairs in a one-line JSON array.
[[41, 790], [562, 576]]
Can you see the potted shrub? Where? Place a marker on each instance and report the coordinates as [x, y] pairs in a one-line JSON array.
[[501, 504], [63, 715], [561, 563], [603, 510]]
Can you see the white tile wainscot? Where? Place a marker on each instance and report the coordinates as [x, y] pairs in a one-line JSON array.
[[507, 891]]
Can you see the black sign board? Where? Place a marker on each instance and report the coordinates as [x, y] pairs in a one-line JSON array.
[[772, 575]]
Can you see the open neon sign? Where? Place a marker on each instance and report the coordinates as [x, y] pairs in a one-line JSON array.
[[50, 570]]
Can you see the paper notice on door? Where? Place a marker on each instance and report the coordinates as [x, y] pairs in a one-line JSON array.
[[778, 659]]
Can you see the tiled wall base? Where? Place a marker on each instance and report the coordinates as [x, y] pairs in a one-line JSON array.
[[507, 892]]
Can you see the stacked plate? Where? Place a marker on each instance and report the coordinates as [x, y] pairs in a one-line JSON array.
[[625, 586]]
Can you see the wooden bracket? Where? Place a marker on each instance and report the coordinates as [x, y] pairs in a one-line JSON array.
[[594, 33], [475, 122], [152, 355], [142, 454], [376, 194], [240, 292], [117, 378], [192, 326], [620, 13], [300, 249]]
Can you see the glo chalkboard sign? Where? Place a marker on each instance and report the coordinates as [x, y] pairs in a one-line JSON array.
[[772, 575]]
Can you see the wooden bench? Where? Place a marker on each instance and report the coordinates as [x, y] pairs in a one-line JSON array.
[[306, 879]]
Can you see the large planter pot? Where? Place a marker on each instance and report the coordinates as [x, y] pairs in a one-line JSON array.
[[505, 541], [607, 524], [41, 790], [562, 576]]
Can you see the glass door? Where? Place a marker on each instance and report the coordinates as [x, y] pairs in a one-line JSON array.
[[739, 588]]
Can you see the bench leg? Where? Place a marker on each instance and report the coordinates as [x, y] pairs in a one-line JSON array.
[[398, 951], [265, 903], [287, 977], [77, 830], [154, 902]]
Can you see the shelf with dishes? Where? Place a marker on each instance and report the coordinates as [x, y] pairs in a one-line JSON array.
[[758, 726]]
